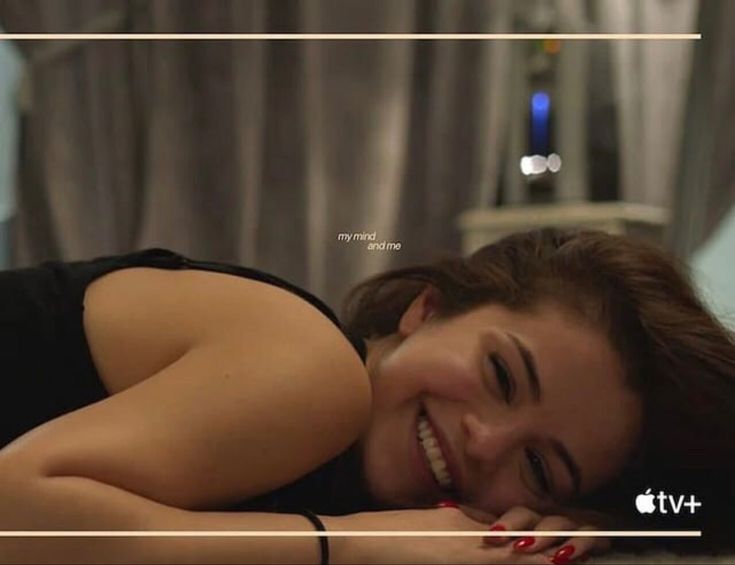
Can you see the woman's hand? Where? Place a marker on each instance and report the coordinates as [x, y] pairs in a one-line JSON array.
[[558, 551], [471, 549]]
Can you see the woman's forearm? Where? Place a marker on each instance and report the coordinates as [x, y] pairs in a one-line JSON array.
[[75, 503]]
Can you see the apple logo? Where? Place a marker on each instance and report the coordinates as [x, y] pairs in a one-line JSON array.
[[644, 502]]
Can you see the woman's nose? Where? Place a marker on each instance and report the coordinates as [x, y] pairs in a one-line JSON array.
[[489, 443]]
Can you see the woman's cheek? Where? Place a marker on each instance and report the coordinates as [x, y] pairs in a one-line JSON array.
[[435, 369], [500, 494], [455, 378]]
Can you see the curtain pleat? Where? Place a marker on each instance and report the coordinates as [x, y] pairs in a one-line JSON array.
[[258, 152]]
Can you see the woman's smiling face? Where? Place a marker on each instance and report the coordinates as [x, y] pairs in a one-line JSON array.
[[525, 408]]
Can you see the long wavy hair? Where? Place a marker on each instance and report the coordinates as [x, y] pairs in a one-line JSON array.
[[677, 356]]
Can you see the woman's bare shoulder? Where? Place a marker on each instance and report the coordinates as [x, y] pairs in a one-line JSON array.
[[140, 320], [213, 406]]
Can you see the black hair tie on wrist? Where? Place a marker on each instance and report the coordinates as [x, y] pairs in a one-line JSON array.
[[323, 540]]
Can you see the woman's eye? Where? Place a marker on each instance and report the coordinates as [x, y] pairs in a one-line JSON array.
[[538, 469], [505, 381]]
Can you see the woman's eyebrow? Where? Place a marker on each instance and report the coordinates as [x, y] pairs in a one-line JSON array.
[[535, 386]]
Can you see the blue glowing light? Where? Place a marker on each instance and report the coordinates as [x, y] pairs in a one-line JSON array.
[[540, 102], [540, 123]]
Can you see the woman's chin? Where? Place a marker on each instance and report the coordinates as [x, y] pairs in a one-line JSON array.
[[385, 495], [388, 471], [389, 493]]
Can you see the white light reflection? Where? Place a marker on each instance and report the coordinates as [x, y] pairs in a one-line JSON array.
[[538, 164]]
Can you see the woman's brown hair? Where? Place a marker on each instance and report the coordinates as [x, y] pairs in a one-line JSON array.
[[676, 354]]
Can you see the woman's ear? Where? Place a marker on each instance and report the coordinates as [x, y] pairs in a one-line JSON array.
[[421, 309]]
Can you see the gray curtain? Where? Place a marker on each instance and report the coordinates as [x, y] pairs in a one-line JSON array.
[[257, 152], [650, 80], [705, 188]]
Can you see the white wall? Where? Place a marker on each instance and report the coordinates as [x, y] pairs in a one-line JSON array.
[[714, 270], [10, 70]]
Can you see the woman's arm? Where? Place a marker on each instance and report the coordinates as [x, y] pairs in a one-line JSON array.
[[240, 413], [73, 503], [30, 502]]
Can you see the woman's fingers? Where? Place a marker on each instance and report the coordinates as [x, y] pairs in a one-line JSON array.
[[517, 518], [532, 544], [547, 548], [572, 550], [578, 548]]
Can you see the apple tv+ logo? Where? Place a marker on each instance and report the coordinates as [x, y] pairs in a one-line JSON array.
[[645, 503]]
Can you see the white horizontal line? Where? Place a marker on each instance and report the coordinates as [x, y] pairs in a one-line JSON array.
[[341, 36], [369, 533]]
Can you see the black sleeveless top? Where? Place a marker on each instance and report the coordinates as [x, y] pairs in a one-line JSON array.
[[47, 368]]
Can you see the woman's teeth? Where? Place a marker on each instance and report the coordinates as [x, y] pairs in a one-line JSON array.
[[437, 463]]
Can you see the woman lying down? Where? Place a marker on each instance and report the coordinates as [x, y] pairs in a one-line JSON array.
[[539, 384]]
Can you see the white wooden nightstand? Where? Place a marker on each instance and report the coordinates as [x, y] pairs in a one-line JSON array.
[[485, 225]]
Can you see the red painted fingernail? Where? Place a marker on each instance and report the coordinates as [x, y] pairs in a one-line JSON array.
[[524, 542], [447, 504], [563, 556], [496, 540]]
